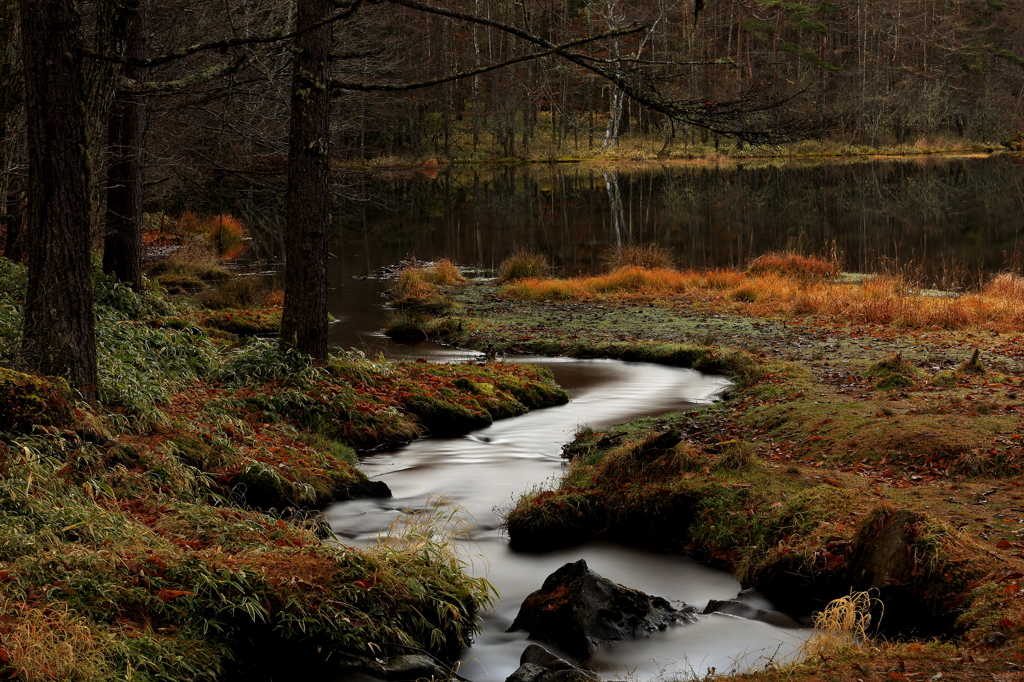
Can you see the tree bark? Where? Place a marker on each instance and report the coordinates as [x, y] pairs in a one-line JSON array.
[[59, 329], [304, 323], [126, 137], [14, 216]]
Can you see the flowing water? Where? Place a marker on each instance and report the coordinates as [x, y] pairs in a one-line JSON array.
[[486, 470], [956, 217]]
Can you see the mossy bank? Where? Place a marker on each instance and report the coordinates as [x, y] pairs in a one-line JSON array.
[[876, 450], [170, 532]]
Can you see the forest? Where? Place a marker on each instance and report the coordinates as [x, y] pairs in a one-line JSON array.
[[329, 328]]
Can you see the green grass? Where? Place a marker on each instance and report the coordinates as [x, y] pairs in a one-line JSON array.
[[149, 536]]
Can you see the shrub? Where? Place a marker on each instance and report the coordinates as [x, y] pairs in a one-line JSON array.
[[27, 400], [227, 235]]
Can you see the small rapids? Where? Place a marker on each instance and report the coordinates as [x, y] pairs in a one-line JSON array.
[[485, 471]]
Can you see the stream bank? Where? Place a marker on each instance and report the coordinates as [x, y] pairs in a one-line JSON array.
[[170, 531], [816, 464]]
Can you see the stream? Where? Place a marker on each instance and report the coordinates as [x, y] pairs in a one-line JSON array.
[[485, 471]]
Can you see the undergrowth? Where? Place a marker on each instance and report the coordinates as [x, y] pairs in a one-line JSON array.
[[147, 536]]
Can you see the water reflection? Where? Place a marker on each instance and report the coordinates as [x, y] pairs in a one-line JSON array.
[[931, 212]]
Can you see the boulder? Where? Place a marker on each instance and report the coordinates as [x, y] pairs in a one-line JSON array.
[[537, 664], [883, 552], [579, 611], [410, 667], [750, 604]]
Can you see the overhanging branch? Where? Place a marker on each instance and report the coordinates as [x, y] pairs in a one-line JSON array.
[[399, 87]]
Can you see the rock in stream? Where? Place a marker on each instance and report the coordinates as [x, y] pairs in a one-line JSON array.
[[579, 611]]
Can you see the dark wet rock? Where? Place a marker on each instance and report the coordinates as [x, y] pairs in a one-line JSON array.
[[750, 604], [537, 664], [392, 271], [884, 549], [412, 667], [996, 639], [884, 559], [527, 672], [579, 611]]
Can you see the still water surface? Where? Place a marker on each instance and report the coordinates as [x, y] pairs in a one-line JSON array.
[[943, 215]]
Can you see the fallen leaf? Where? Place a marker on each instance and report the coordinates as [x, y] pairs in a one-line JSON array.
[[167, 595]]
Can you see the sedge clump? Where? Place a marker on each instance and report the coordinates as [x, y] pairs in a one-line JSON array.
[[524, 263]]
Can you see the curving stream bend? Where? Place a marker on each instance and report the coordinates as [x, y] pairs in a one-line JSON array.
[[486, 470]]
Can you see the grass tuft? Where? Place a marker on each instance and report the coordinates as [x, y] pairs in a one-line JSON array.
[[792, 264], [843, 623], [524, 263], [649, 256]]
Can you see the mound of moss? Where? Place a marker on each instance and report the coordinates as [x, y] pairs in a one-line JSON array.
[[27, 401], [800, 541]]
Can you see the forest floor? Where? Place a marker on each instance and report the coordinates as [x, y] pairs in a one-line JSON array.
[[871, 442], [170, 531]]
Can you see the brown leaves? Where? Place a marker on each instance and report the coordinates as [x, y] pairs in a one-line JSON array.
[[166, 595]]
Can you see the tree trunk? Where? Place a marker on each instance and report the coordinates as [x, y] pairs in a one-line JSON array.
[[122, 244], [14, 216], [59, 335], [304, 323]]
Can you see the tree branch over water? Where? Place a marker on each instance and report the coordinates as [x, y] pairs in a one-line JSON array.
[[396, 87]]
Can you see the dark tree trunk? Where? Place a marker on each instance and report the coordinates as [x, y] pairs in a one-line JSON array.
[[14, 217], [304, 324], [126, 136], [59, 335]]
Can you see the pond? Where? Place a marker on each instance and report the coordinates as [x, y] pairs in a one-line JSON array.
[[947, 219]]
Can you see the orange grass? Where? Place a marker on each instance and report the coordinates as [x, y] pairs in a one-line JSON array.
[[796, 265], [883, 299], [227, 234]]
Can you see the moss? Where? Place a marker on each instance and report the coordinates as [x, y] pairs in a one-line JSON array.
[[444, 417], [245, 323], [894, 382], [27, 401], [893, 372]]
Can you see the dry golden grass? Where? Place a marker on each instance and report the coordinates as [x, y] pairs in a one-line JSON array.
[[649, 256], [524, 264], [797, 265], [227, 235], [445, 272], [882, 299], [414, 283], [54, 643], [843, 623]]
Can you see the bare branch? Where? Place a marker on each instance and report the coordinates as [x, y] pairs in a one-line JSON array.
[[277, 37], [177, 86], [397, 87]]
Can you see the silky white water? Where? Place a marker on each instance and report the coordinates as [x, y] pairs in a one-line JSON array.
[[485, 471]]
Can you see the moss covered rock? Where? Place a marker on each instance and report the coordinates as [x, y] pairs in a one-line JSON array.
[[27, 400]]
